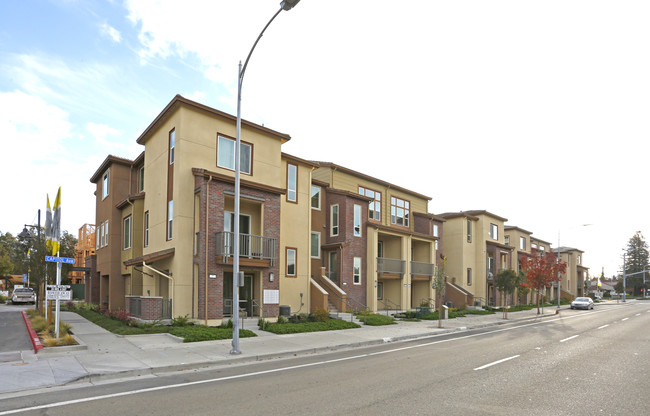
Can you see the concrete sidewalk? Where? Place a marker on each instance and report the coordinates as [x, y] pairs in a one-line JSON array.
[[103, 355]]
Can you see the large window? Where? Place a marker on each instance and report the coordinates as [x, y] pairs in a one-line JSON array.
[[146, 228], [226, 155], [399, 211], [315, 244], [172, 146], [522, 243], [334, 220], [105, 184], [357, 220], [494, 232], [291, 261], [127, 233], [315, 197], [356, 270], [436, 230], [374, 207], [170, 219], [292, 183]]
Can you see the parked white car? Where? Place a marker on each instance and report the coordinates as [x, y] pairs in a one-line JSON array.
[[23, 295]]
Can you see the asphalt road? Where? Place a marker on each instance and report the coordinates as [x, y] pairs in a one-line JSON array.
[[580, 363], [13, 333]]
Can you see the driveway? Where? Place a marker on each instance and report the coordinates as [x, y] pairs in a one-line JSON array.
[[13, 333]]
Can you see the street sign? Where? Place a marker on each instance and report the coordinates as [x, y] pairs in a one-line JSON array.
[[60, 292], [59, 259], [24, 278]]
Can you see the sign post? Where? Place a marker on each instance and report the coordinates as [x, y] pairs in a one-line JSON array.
[[59, 261]]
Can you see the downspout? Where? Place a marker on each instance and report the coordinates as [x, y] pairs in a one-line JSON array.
[[207, 209], [164, 275]]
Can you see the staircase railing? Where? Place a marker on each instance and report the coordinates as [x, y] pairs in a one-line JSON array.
[[387, 305], [352, 305]]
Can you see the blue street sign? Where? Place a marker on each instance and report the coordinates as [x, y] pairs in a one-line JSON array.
[[59, 259], [24, 277]]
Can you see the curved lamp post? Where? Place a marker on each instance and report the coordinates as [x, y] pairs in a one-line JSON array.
[[285, 5]]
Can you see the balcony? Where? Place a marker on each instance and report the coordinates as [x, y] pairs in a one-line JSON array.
[[421, 270], [390, 267], [254, 250]]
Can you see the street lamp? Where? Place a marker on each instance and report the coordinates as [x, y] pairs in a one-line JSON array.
[[285, 5]]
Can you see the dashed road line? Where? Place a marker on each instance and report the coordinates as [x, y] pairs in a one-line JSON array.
[[495, 363], [567, 339]]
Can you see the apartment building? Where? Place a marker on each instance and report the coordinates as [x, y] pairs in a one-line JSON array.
[[374, 240], [165, 220], [476, 250], [573, 280]]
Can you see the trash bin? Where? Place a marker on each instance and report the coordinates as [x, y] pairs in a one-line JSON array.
[[445, 311], [449, 304], [285, 310]]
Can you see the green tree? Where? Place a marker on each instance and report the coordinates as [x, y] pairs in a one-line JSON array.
[[636, 261], [440, 286], [6, 266], [506, 281]]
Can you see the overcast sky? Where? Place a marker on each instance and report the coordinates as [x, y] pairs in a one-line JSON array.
[[536, 111]]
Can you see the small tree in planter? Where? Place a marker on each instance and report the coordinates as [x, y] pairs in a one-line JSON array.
[[506, 282], [439, 284]]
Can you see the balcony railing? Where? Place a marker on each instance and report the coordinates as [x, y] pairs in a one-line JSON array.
[[385, 265], [422, 269], [250, 246]]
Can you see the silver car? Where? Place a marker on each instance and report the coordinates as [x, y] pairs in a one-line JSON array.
[[582, 303], [23, 295]]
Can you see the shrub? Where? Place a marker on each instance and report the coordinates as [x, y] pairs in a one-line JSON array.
[[3, 299], [182, 321], [281, 320], [205, 333], [321, 315], [375, 319], [287, 328]]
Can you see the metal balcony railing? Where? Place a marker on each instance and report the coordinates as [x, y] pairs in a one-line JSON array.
[[251, 246], [386, 265], [422, 269]]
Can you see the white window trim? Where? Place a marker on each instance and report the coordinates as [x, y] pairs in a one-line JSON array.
[[292, 187], [356, 278], [338, 222], [146, 229], [356, 229], [312, 197], [316, 233], [295, 262], [242, 146], [106, 184], [126, 245]]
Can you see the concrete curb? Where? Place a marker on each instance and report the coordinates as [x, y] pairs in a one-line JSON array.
[[33, 337]]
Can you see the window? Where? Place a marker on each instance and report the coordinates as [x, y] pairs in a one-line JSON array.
[[374, 207], [522, 243], [399, 211], [146, 229], [469, 277], [380, 290], [507, 239], [579, 259], [315, 197], [127, 233], [292, 183], [226, 155], [170, 219], [105, 184], [141, 179], [356, 270], [334, 220], [490, 265], [542, 248], [533, 246], [104, 234], [469, 231], [435, 245], [357, 220], [315, 244], [436, 230], [291, 261], [494, 232], [172, 146]]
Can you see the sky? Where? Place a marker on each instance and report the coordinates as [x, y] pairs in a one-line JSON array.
[[536, 111]]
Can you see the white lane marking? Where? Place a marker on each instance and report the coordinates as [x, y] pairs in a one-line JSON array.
[[624, 319], [495, 363], [638, 314], [604, 326], [566, 339], [174, 386]]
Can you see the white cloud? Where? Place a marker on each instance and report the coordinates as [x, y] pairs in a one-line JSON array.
[[197, 96], [110, 32]]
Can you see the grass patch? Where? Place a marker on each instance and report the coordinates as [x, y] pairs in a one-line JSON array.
[[375, 319], [289, 328], [182, 329]]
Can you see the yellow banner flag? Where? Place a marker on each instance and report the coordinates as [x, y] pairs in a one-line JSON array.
[[56, 223]]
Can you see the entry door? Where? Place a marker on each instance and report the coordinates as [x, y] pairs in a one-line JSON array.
[[245, 294], [333, 267]]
